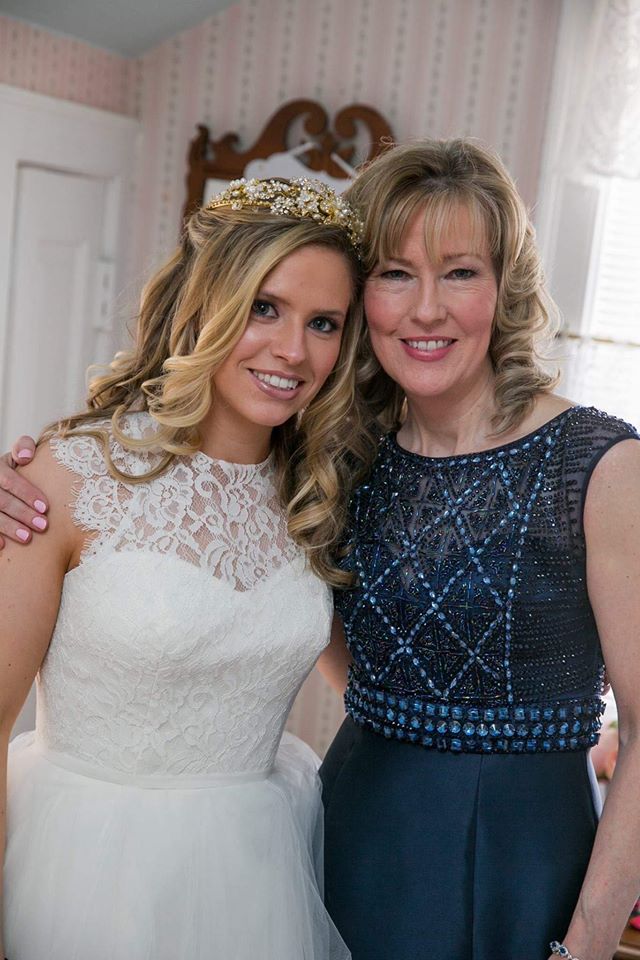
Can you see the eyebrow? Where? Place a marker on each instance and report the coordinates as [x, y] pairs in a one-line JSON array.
[[269, 295], [463, 253], [445, 259]]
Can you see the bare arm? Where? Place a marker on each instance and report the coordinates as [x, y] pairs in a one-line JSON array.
[[612, 529], [22, 504], [30, 607], [335, 660]]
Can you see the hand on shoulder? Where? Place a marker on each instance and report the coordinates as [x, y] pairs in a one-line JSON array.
[[64, 538], [22, 506]]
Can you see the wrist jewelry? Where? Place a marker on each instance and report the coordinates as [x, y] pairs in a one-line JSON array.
[[559, 950]]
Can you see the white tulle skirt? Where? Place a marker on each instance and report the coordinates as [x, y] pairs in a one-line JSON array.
[[226, 870]]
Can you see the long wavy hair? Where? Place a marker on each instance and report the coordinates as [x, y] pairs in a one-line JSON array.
[[438, 177], [192, 314]]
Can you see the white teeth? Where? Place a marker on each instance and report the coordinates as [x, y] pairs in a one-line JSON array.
[[428, 345], [283, 383]]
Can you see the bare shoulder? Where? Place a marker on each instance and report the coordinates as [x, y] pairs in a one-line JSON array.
[[550, 405], [613, 494], [545, 407], [45, 470]]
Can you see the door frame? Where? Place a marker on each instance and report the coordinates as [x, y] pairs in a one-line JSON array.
[[67, 137]]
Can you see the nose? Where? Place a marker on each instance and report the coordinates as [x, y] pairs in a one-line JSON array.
[[290, 343], [429, 306]]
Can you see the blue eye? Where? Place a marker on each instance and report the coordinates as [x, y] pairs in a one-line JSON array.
[[262, 308], [461, 273], [394, 274], [323, 325]]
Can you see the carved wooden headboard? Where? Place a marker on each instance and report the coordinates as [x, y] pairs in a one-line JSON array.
[[222, 159]]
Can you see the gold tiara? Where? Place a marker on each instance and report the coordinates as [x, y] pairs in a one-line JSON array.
[[300, 197]]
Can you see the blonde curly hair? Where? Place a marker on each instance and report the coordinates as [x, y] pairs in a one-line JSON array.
[[437, 177], [192, 314]]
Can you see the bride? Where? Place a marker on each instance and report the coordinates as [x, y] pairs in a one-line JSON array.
[[180, 600]]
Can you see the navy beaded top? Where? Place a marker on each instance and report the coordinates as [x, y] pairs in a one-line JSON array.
[[470, 626]]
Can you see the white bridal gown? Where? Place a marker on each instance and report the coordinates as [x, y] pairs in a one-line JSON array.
[[157, 812]]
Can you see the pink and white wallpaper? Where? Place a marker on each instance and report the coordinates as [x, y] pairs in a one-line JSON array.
[[432, 67], [44, 62]]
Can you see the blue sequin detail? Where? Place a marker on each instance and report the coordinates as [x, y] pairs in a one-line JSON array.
[[470, 627], [499, 736]]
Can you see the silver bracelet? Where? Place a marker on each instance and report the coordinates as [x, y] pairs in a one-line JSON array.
[[559, 950]]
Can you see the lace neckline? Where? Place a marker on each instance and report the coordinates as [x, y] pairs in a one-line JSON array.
[[143, 423], [515, 446], [239, 472]]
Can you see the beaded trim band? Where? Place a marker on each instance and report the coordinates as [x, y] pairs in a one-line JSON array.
[[559, 950], [301, 198], [465, 728]]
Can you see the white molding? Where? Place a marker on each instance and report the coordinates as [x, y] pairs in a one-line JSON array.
[[27, 99]]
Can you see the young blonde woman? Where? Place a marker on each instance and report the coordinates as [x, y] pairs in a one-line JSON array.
[[181, 597]]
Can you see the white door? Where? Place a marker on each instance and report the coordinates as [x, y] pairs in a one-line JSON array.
[[60, 303], [66, 216]]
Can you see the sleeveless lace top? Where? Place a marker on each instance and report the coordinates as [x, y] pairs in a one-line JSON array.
[[190, 623], [470, 627]]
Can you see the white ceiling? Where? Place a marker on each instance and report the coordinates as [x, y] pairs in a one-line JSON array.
[[127, 27]]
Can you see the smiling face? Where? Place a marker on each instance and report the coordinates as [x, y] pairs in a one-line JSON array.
[[288, 349], [430, 311]]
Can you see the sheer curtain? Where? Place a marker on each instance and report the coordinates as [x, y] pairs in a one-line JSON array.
[[609, 133], [593, 235]]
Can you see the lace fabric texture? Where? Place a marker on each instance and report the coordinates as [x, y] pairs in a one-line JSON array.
[[471, 627], [187, 629]]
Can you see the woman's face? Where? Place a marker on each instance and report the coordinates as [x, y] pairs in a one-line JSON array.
[[291, 342], [430, 322]]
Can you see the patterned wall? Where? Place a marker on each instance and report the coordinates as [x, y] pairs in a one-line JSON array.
[[432, 67], [44, 62]]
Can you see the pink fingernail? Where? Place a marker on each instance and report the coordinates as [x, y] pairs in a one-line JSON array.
[[40, 506], [39, 523], [22, 534], [25, 454]]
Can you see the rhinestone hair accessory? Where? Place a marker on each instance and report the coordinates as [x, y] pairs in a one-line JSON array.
[[300, 197]]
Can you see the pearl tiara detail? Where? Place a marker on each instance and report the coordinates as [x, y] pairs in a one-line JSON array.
[[301, 197]]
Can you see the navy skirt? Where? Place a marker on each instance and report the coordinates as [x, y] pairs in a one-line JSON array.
[[441, 856]]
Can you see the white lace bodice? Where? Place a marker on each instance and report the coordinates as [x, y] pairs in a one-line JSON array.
[[187, 629]]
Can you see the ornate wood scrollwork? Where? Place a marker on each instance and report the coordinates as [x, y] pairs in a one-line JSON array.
[[224, 160]]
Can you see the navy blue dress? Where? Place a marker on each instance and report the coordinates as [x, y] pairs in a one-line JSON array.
[[460, 809]]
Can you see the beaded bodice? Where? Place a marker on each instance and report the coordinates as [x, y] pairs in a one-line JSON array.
[[470, 627], [190, 623]]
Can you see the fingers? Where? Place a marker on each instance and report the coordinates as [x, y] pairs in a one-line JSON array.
[[18, 520], [23, 450], [21, 504]]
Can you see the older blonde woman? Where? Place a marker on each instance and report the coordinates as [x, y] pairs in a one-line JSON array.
[[495, 546], [173, 615]]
